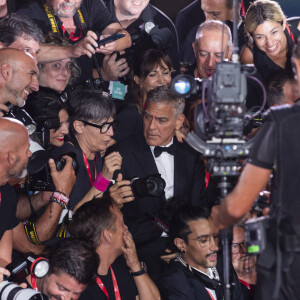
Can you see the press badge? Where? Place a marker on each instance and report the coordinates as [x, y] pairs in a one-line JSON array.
[[117, 90]]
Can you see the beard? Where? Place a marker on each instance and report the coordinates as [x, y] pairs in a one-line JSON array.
[[18, 171], [61, 13], [18, 99]]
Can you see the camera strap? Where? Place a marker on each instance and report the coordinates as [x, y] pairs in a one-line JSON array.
[[115, 284], [33, 282], [30, 231], [88, 169], [54, 27]]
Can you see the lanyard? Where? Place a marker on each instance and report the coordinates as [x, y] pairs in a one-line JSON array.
[[207, 177], [89, 169], [249, 287], [211, 296], [54, 26], [33, 282], [103, 288], [290, 33]]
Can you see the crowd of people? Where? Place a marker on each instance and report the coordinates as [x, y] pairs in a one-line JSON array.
[[95, 171]]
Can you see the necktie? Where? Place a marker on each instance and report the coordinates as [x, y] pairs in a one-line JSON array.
[[158, 150]]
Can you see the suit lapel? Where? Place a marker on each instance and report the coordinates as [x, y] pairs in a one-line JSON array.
[[145, 157], [180, 168]]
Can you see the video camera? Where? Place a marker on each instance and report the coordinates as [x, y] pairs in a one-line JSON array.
[[219, 121]]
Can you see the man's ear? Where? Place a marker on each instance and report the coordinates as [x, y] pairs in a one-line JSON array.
[[11, 158], [78, 126], [107, 236], [180, 244], [194, 48], [6, 72], [179, 121]]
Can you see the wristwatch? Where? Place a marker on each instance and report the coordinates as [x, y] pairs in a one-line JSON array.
[[142, 271]]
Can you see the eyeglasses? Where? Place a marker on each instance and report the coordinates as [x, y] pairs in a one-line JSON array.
[[205, 240], [104, 127], [238, 247]]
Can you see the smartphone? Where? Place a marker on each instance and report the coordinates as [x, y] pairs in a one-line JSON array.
[[110, 39]]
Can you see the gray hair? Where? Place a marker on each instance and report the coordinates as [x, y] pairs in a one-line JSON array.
[[13, 26], [164, 94], [91, 104], [211, 25]]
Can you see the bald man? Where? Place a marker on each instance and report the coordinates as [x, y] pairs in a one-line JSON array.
[[18, 77], [14, 154]]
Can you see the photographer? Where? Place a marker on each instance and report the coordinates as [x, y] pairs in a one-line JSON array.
[[72, 266], [78, 21], [276, 148], [92, 129], [131, 16], [45, 110]]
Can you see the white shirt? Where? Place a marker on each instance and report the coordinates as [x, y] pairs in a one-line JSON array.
[[165, 166]]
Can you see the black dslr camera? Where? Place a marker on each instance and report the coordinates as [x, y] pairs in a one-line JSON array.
[[152, 185], [42, 180]]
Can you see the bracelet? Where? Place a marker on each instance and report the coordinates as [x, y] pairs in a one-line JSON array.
[[61, 197], [101, 183]]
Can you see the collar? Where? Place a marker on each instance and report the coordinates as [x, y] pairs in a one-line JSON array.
[[212, 272], [152, 147]]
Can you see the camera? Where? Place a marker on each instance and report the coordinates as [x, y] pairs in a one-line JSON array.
[[20, 267], [11, 291], [19, 270], [152, 185], [146, 35], [40, 179], [20, 114]]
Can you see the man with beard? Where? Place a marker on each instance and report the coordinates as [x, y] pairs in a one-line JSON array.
[[18, 77], [77, 20], [14, 154], [196, 272]]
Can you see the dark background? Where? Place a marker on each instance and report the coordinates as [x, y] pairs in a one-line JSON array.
[[291, 8]]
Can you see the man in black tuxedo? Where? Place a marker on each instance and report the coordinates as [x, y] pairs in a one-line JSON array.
[[179, 165]]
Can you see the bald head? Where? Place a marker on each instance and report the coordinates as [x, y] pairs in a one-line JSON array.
[[12, 134], [18, 76], [14, 151]]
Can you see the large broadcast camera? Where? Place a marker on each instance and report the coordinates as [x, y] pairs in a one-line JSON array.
[[220, 119], [218, 130]]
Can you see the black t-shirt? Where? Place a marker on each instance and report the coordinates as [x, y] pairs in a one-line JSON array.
[[265, 66], [125, 283], [262, 153], [8, 208], [95, 14], [151, 13], [82, 184]]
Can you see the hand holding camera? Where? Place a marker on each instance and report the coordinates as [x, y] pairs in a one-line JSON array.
[[64, 179], [121, 191]]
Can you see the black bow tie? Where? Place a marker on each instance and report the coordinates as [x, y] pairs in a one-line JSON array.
[[158, 150]]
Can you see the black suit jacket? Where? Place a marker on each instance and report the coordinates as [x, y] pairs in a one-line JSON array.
[[178, 283], [138, 161]]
